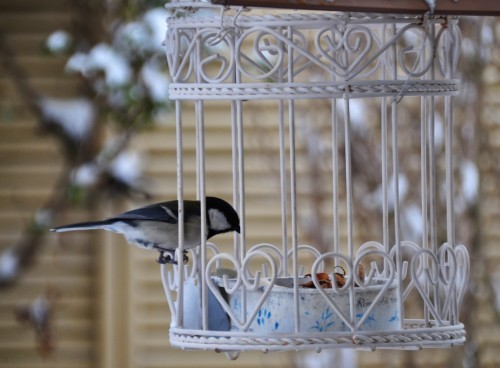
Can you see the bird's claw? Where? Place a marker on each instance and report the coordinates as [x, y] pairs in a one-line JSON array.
[[169, 258], [164, 259]]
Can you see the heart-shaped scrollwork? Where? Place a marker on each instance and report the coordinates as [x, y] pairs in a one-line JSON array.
[[408, 249], [447, 50], [242, 283], [343, 48], [171, 279], [374, 279], [425, 272], [346, 264], [306, 248], [463, 269], [274, 252], [168, 288], [448, 272]]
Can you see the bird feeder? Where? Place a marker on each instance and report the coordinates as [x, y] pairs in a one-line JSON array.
[[391, 292]]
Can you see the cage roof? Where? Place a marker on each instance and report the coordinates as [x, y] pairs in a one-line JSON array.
[[444, 7]]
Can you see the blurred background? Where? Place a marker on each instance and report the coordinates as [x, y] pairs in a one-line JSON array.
[[87, 131]]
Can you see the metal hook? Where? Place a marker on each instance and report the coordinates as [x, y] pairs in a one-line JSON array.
[[223, 31], [222, 11], [432, 5], [238, 13]]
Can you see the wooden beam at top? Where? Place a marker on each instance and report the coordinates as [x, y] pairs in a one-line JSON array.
[[443, 7]]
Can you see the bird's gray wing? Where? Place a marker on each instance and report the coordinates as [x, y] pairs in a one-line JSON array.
[[164, 212]]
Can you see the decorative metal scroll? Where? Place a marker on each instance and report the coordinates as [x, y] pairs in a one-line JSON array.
[[272, 53], [439, 279]]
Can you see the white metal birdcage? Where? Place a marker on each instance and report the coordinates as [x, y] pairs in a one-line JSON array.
[[236, 56]]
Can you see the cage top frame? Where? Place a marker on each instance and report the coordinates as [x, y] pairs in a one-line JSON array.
[[438, 7]]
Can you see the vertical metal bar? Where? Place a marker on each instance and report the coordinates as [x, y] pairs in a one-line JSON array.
[[293, 188], [239, 163], [283, 183], [198, 158], [397, 224], [423, 184], [234, 146], [236, 78], [423, 160], [203, 235], [283, 188], [241, 195], [383, 149], [180, 214], [395, 169], [335, 166], [348, 184], [239, 177], [200, 177], [449, 168], [432, 176], [432, 163], [423, 171], [450, 206], [348, 176], [293, 205], [235, 173], [334, 121], [385, 201], [450, 221], [432, 188], [335, 176], [432, 173]]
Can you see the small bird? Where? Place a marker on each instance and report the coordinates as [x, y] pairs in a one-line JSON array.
[[155, 226]]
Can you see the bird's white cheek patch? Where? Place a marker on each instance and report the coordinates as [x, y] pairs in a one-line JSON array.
[[217, 220]]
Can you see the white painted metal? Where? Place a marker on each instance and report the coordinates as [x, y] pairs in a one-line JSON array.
[[265, 57]]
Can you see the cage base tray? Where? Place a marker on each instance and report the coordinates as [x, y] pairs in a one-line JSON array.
[[416, 334]]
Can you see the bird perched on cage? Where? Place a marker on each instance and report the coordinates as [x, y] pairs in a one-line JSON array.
[[155, 226]]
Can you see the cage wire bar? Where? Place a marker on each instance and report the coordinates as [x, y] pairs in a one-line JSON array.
[[235, 56]]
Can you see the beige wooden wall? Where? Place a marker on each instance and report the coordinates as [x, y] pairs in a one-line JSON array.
[[488, 264], [29, 164], [112, 311]]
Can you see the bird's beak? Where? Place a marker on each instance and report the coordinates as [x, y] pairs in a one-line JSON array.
[[237, 229]]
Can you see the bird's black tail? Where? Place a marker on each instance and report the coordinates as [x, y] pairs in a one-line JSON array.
[[90, 225]]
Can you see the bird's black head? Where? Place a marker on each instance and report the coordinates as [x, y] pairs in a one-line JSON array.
[[222, 217]]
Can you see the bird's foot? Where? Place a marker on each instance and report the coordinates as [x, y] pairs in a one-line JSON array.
[[170, 257]]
